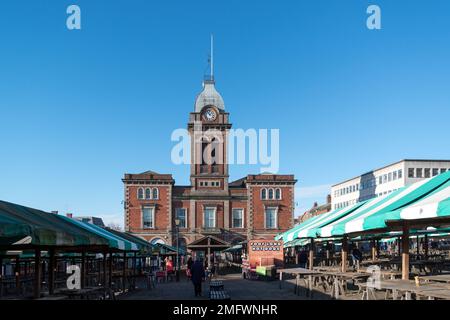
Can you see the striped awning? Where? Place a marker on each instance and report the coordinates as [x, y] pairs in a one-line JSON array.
[[114, 240], [309, 227], [296, 243], [21, 225], [426, 198], [434, 205]]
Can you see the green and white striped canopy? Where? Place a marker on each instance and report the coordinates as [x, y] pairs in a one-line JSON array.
[[307, 229], [436, 204], [283, 235], [427, 198], [296, 242], [114, 240]]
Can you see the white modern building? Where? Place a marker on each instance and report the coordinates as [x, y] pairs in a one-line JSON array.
[[384, 180]]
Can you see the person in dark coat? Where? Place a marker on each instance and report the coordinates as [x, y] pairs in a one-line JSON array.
[[197, 276], [302, 259], [190, 262]]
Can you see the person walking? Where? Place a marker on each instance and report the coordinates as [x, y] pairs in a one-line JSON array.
[[197, 276], [302, 259], [188, 269], [356, 257]]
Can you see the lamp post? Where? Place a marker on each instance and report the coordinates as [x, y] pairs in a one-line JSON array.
[[177, 266]]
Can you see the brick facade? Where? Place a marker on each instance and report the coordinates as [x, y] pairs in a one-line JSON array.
[[209, 191]]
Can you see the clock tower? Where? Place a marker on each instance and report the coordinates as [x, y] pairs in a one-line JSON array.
[[211, 213], [208, 128]]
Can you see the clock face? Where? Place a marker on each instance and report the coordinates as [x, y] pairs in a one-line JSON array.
[[210, 114]]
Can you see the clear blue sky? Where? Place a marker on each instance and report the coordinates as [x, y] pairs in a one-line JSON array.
[[80, 108]]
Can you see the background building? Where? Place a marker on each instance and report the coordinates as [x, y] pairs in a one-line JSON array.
[[385, 180], [316, 210], [253, 207], [92, 220]]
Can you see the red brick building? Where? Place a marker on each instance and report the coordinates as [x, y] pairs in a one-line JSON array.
[[254, 207]]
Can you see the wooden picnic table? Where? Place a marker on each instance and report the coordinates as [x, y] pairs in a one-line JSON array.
[[300, 274], [385, 274], [437, 278], [406, 287], [84, 293], [433, 266], [327, 268], [375, 262], [336, 282]]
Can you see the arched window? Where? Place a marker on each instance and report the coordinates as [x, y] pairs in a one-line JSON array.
[[270, 194], [278, 194], [157, 240], [155, 193], [148, 194], [264, 194], [140, 193]]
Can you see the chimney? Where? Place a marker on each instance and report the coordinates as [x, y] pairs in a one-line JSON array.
[[315, 205], [69, 215], [329, 199]]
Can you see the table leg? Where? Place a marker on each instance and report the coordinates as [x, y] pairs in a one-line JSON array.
[[394, 294], [408, 295], [336, 288], [310, 282], [342, 287]]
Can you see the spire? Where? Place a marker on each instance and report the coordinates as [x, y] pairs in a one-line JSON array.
[[209, 76], [212, 57], [209, 94]]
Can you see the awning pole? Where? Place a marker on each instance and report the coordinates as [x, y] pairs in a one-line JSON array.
[[426, 247], [83, 268], [374, 250], [418, 246], [51, 272], [134, 269], [124, 270], [110, 273], [37, 273], [17, 273], [344, 253], [1, 276], [405, 253], [311, 255], [378, 248], [328, 253], [105, 267]]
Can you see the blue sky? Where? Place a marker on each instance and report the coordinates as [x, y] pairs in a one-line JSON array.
[[80, 108]]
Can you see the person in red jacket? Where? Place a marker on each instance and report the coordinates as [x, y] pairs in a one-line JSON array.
[[169, 266]]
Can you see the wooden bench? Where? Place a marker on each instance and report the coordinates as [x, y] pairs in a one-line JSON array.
[[219, 295], [216, 285]]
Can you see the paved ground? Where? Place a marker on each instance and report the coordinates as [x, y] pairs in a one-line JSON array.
[[236, 287]]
